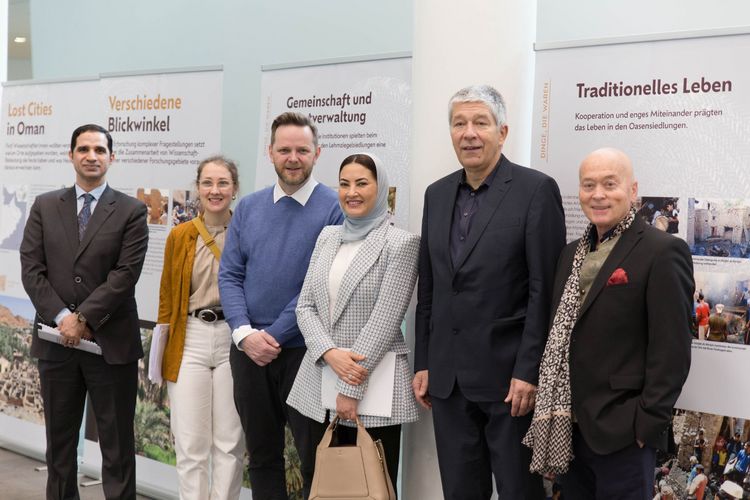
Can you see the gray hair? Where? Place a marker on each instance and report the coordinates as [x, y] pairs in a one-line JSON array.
[[480, 93]]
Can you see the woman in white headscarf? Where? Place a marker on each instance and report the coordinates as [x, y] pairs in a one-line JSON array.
[[356, 292]]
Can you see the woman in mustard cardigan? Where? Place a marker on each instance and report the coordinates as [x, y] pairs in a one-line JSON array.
[[204, 421]]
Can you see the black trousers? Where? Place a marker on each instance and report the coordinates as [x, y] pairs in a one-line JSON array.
[[627, 474], [389, 435], [112, 390], [476, 440], [260, 394]]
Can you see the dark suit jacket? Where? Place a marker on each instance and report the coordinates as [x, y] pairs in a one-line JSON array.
[[97, 276], [484, 319], [630, 348]]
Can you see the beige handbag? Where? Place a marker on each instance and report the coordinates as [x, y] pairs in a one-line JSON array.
[[351, 472]]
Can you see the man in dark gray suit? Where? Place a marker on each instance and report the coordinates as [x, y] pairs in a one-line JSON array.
[[82, 253], [491, 235]]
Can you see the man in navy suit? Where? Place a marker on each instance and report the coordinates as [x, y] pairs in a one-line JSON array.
[[82, 252], [491, 235]]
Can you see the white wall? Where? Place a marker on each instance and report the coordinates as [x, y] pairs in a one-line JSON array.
[[455, 45], [87, 37], [594, 19]]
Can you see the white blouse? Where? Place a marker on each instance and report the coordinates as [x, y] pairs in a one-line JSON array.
[[342, 261]]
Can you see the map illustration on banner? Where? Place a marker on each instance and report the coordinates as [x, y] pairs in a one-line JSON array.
[[681, 110], [360, 106]]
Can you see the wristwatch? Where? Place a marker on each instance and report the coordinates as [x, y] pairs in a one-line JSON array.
[[81, 318]]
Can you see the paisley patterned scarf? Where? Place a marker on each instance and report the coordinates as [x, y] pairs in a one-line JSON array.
[[551, 430]]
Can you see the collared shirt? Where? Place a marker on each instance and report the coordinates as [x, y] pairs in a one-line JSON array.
[[594, 260], [96, 193], [468, 201], [594, 238], [300, 196], [593, 263]]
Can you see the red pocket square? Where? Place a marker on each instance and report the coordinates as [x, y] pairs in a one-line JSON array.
[[618, 277]]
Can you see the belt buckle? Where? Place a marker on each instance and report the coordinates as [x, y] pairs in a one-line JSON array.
[[207, 316]]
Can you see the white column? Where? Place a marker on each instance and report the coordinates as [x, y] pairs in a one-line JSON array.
[[458, 44]]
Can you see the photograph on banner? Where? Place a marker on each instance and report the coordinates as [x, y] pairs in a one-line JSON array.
[[725, 291], [362, 106], [157, 204], [708, 444], [721, 227], [20, 395], [153, 438], [185, 205], [661, 212]]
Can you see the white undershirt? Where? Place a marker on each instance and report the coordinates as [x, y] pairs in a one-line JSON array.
[[342, 261]]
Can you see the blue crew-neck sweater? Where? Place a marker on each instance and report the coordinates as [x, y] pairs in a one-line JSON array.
[[265, 258]]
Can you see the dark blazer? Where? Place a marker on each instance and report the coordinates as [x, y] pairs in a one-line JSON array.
[[97, 276], [630, 348], [483, 319]]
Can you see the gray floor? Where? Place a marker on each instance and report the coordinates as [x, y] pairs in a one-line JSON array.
[[20, 481]]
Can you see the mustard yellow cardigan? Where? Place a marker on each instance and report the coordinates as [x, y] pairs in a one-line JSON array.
[[174, 293]]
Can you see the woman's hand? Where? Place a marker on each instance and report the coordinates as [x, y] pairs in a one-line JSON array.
[[346, 407], [344, 363]]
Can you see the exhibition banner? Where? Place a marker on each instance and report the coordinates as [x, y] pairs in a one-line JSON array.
[[360, 106], [37, 124], [356, 106], [681, 110], [162, 125]]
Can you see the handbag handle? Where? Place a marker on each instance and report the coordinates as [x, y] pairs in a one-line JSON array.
[[363, 437]]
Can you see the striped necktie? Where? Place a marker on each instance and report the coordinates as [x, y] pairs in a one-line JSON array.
[[85, 214]]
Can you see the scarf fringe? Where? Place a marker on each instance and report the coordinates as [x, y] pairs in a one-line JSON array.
[[556, 430]]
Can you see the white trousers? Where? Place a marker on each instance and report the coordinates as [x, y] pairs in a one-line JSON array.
[[207, 431]]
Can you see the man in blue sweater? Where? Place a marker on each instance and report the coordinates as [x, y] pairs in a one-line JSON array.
[[265, 258]]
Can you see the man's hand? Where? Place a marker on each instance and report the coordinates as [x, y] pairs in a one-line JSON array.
[[521, 396], [344, 363], [261, 347], [88, 334], [419, 385], [346, 407], [71, 330]]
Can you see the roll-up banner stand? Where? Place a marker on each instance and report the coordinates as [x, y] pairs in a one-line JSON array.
[[680, 108], [357, 105], [162, 123]]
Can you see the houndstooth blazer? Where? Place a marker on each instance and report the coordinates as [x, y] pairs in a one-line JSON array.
[[375, 292]]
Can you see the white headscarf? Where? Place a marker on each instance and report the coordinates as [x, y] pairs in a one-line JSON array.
[[357, 228]]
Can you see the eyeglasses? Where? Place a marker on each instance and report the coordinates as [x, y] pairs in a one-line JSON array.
[[222, 184]]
